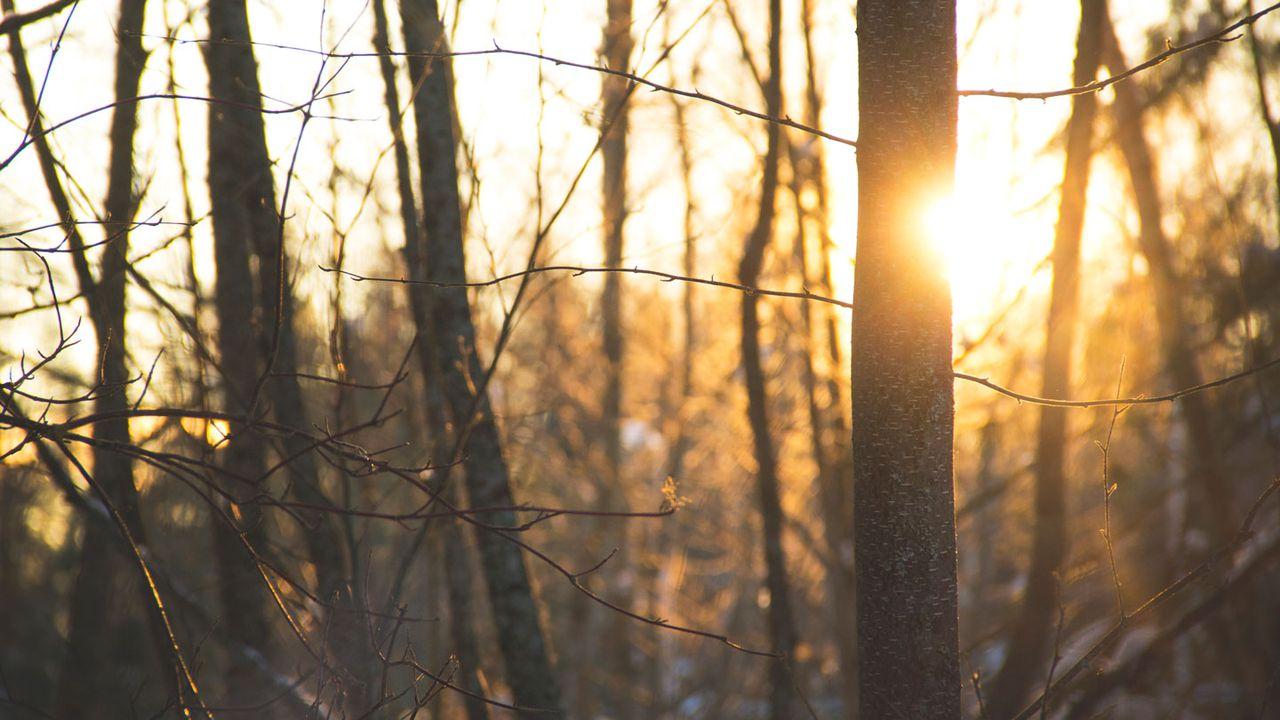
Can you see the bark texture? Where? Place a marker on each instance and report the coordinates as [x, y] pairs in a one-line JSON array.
[[244, 456], [905, 546], [782, 630], [1032, 631], [457, 566], [244, 206], [520, 637]]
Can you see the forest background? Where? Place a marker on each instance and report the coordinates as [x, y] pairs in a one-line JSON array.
[[300, 417]]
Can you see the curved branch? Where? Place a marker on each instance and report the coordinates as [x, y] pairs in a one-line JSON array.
[[1219, 36]]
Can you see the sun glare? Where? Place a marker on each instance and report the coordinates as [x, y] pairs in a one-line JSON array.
[[985, 250]]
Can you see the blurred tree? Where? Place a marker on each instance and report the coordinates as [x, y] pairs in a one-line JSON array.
[[1033, 627], [782, 630], [1210, 509], [456, 561], [615, 126], [826, 396]]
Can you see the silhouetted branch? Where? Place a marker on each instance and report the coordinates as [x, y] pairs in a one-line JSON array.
[[578, 270], [1220, 35], [654, 86], [1224, 553], [14, 21]]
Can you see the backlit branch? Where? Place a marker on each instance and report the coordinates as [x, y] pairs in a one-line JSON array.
[[1219, 36], [1223, 554], [637, 79], [578, 270], [17, 20]]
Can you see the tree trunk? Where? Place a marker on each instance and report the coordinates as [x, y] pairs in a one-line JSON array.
[[244, 455], [679, 414], [613, 150], [904, 544], [831, 477], [782, 631], [831, 431], [1032, 631], [456, 561], [104, 654], [244, 211], [520, 637], [615, 91]]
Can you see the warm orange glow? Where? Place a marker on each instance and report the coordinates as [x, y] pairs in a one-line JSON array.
[[985, 249], [213, 431]]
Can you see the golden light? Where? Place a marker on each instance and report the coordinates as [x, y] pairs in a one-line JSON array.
[[216, 432], [987, 251], [213, 431]]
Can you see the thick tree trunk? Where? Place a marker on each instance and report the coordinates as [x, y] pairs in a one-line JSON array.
[[1032, 631], [520, 637], [244, 211], [782, 629], [904, 544]]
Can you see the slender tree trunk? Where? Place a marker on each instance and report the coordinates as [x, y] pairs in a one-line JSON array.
[[104, 654], [528, 665], [1211, 496], [457, 578], [456, 563], [904, 543], [613, 150], [245, 605], [688, 343], [782, 629], [16, 495], [829, 479], [620, 671], [678, 413], [1032, 631], [244, 210], [244, 455], [831, 432]]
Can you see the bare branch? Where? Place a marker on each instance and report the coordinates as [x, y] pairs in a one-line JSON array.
[[1219, 36]]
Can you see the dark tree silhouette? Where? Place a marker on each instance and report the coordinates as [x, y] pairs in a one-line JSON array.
[[520, 636], [905, 545]]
